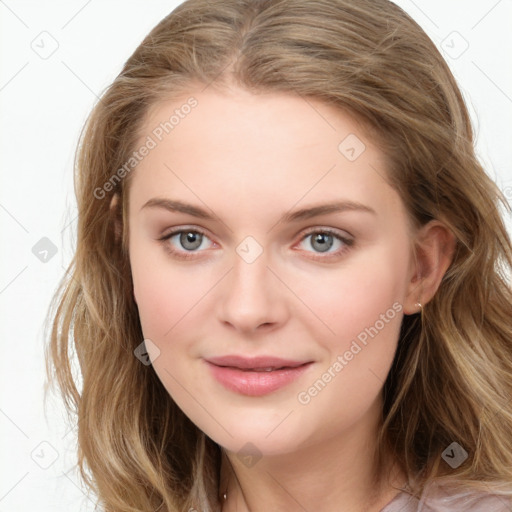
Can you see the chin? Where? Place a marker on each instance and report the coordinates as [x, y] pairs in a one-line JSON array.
[[258, 437]]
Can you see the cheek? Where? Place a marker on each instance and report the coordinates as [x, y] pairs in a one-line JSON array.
[[167, 299], [353, 298], [161, 294], [156, 303], [171, 298], [357, 358]]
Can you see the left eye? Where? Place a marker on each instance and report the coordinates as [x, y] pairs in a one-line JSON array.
[[323, 241], [189, 240]]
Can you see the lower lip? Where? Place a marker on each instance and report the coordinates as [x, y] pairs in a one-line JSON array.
[[253, 383]]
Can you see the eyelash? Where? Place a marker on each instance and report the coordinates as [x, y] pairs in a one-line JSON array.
[[347, 242], [178, 254]]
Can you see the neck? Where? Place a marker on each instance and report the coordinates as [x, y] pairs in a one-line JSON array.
[[334, 475]]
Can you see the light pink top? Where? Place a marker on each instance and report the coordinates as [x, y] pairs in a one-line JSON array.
[[439, 500]]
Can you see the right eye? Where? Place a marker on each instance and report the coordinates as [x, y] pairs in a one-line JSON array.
[[181, 241]]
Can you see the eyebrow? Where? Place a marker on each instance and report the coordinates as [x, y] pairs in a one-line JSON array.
[[293, 216], [177, 206]]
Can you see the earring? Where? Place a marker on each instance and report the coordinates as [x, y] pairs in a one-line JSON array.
[[419, 305]]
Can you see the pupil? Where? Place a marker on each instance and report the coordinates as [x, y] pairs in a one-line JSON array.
[[325, 240], [190, 240]]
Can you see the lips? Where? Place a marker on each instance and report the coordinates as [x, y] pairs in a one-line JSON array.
[[255, 376], [261, 363]]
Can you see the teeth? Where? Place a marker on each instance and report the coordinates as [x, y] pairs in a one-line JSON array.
[[269, 369]]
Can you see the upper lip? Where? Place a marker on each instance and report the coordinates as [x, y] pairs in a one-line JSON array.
[[244, 363]]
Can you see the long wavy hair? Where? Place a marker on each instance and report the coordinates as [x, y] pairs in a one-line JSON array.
[[451, 379]]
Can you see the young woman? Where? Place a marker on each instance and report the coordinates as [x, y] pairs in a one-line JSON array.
[[290, 289]]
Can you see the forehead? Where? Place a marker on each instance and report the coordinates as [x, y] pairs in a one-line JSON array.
[[284, 121], [241, 146]]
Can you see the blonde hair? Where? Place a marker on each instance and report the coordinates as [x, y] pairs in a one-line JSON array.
[[451, 379]]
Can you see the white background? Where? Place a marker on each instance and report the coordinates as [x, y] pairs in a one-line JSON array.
[[44, 103]]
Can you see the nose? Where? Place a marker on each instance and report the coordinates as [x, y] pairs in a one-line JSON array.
[[252, 299]]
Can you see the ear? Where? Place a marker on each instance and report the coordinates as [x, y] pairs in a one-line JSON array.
[[434, 247], [117, 217]]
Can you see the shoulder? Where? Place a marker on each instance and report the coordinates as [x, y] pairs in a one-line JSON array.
[[437, 498]]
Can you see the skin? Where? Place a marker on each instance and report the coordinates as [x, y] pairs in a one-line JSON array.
[[248, 160]]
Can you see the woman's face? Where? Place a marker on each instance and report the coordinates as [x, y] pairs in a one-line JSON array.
[[262, 235]]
